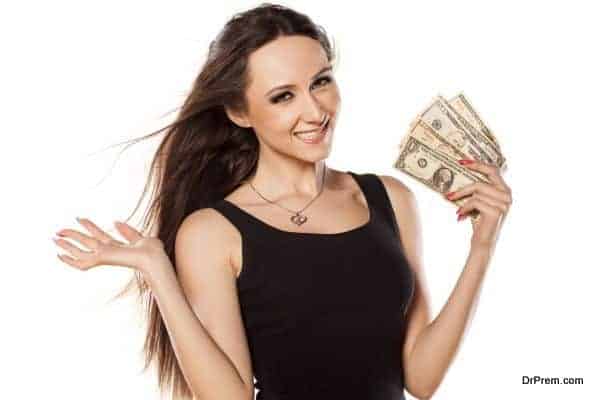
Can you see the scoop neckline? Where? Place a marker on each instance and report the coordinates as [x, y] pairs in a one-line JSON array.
[[359, 228]]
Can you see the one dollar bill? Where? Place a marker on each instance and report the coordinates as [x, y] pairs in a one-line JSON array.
[[433, 169], [432, 139], [463, 106], [452, 126]]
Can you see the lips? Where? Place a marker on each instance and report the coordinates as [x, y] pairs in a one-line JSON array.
[[311, 137]]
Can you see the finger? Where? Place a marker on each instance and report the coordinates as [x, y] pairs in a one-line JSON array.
[[79, 264], [481, 188], [481, 206], [503, 182], [128, 232], [96, 231], [490, 201], [87, 241], [491, 171], [76, 251]]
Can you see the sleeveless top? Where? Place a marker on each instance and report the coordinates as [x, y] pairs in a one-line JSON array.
[[324, 313]]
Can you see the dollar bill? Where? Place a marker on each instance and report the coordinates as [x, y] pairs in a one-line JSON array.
[[434, 169], [420, 131], [487, 145], [454, 128], [440, 120], [464, 107]]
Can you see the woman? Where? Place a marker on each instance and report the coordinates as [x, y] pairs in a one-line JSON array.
[[265, 262]]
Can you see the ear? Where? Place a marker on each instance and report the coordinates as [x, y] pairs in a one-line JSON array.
[[237, 118]]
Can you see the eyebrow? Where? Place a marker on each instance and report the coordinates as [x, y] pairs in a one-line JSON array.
[[327, 68]]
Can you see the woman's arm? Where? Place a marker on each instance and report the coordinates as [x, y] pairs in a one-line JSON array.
[[431, 346], [202, 315], [208, 371], [437, 344], [207, 336]]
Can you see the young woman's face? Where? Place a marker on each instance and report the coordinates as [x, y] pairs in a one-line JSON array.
[[289, 120]]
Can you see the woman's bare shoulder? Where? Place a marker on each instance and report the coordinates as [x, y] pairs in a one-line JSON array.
[[208, 218], [404, 204], [397, 190], [214, 230]]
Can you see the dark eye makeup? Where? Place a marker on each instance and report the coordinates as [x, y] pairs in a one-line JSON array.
[[282, 96]]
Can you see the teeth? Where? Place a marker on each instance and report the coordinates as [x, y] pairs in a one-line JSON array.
[[309, 135], [313, 135]]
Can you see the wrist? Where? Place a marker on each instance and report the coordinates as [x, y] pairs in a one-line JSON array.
[[158, 271]]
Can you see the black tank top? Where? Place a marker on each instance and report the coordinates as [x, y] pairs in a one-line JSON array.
[[325, 313]]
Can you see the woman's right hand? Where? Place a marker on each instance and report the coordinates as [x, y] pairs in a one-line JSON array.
[[140, 253]]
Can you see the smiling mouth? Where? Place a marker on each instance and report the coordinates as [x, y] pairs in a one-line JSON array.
[[314, 134], [314, 137]]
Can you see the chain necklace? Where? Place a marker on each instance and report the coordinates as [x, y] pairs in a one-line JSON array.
[[298, 218]]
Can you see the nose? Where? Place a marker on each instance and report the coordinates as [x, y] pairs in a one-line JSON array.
[[313, 112]]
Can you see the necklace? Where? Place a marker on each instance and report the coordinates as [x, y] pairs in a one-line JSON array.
[[298, 218]]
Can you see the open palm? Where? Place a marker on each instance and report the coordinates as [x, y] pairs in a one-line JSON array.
[[138, 253]]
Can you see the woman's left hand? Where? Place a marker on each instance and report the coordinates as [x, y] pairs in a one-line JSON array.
[[492, 200]]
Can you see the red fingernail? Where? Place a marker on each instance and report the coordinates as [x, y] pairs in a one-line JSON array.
[[465, 161], [460, 216], [450, 194]]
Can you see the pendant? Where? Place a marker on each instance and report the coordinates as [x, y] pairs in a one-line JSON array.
[[299, 219]]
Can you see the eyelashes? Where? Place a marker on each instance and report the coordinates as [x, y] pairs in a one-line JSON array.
[[282, 97]]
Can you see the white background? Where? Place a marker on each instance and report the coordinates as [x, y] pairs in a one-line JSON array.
[[78, 77]]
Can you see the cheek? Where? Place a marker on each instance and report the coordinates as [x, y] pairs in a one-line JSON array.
[[284, 121], [276, 124], [332, 99]]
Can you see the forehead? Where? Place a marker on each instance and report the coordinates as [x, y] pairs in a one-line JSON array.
[[287, 59]]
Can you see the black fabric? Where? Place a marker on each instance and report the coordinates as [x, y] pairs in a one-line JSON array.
[[325, 313]]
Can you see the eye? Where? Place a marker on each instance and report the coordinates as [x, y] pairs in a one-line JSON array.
[[280, 97], [323, 81]]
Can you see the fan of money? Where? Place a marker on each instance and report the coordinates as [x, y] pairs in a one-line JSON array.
[[445, 132]]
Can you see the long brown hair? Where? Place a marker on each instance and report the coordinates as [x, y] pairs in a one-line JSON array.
[[204, 156]]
